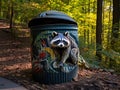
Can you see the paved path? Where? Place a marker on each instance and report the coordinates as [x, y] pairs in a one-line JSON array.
[[9, 85], [6, 84]]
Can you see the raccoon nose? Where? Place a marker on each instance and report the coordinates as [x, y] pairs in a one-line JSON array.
[[61, 45]]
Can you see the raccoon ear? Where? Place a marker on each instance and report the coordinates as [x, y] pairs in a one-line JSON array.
[[54, 33], [66, 33]]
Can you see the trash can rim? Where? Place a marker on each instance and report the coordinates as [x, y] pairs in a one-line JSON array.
[[50, 20], [49, 26]]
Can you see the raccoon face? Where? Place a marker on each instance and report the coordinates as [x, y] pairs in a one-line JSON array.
[[60, 40]]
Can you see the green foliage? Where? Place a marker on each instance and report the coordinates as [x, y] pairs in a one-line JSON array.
[[113, 61]]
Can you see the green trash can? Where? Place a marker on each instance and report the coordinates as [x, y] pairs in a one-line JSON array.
[[54, 47]]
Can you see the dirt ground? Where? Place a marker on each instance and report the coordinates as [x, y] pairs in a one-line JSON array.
[[15, 65]]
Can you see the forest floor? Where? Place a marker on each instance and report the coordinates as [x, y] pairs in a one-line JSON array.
[[15, 65]]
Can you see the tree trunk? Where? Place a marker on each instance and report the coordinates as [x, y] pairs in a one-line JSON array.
[[115, 30], [115, 26], [99, 29], [11, 16], [0, 8]]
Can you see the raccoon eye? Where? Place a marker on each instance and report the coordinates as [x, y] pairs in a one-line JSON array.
[[57, 42], [65, 43]]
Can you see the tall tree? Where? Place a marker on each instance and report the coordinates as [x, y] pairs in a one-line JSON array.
[[99, 29], [115, 40], [116, 24], [11, 15], [0, 8]]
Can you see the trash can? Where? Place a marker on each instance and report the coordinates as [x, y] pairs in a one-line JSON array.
[[54, 47]]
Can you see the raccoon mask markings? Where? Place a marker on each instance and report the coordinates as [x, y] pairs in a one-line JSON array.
[[59, 40]]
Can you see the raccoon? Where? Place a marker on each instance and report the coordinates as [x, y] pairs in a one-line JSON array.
[[65, 48]]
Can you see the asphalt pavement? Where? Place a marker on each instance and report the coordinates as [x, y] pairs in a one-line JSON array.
[[6, 84]]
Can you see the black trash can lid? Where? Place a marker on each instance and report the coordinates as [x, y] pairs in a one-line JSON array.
[[51, 17]]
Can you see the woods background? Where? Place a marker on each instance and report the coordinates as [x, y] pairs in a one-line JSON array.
[[98, 23]]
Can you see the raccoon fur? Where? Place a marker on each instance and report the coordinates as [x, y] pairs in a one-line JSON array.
[[65, 48]]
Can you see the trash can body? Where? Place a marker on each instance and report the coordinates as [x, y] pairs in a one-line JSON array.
[[50, 28]]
